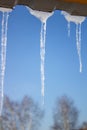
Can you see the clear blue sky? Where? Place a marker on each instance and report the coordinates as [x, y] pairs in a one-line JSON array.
[[61, 64]]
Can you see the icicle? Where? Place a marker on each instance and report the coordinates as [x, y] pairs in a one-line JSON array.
[[78, 20], [68, 29], [42, 54], [42, 16], [3, 56], [78, 43], [80, 48]]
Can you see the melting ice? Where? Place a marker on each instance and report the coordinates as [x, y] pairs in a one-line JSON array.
[[78, 20], [5, 14], [42, 16]]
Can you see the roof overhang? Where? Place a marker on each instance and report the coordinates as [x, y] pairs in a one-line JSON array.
[[74, 7]]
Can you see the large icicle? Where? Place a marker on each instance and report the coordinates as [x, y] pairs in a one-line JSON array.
[[42, 16], [3, 52], [78, 20], [78, 42]]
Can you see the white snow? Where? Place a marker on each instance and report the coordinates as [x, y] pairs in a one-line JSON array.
[[78, 20], [5, 9], [73, 18], [42, 16]]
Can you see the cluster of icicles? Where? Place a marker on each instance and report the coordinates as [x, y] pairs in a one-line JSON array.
[[78, 20], [5, 15], [42, 16]]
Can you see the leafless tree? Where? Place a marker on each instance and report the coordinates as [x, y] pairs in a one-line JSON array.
[[65, 114], [25, 115]]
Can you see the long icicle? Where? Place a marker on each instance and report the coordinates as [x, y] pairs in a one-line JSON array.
[[42, 16], [80, 47], [42, 54], [3, 56], [78, 42]]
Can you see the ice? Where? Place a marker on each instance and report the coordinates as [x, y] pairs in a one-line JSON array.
[[69, 29], [78, 43], [78, 20], [3, 54], [42, 16]]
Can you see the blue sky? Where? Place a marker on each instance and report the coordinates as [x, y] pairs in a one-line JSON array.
[[62, 74]]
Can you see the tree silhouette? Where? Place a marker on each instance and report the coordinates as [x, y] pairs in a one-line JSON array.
[[65, 114], [25, 115]]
